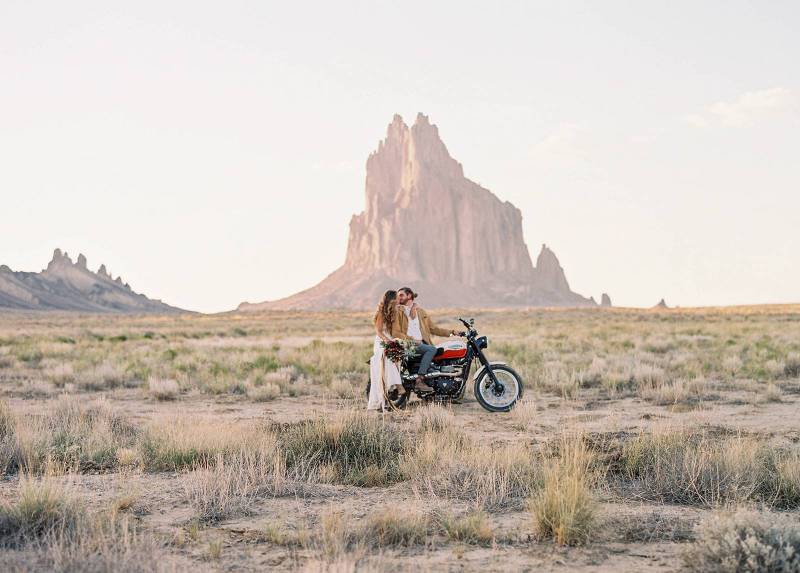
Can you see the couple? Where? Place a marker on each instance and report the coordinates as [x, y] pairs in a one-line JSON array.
[[398, 317]]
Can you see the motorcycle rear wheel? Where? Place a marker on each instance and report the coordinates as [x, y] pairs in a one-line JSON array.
[[397, 403], [503, 398]]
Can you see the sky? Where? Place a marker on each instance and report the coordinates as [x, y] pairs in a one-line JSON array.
[[214, 152]]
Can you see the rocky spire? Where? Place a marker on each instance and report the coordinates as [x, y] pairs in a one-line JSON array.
[[549, 274], [605, 300], [424, 220], [66, 286], [426, 225], [59, 260]]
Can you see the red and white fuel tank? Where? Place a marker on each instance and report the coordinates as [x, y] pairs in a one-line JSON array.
[[452, 350]]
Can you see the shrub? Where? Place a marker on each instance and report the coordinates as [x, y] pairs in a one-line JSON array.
[[356, 448], [396, 526], [341, 388], [40, 510], [745, 542], [102, 377], [791, 368], [9, 451], [473, 527], [648, 376], [269, 391], [163, 388]]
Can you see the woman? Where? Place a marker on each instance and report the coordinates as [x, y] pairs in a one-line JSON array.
[[384, 375]]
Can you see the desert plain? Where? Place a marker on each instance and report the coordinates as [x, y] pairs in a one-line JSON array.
[[646, 440]]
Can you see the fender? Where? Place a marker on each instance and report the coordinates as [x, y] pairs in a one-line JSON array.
[[483, 368]]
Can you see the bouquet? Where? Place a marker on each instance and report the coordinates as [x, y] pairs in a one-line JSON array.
[[397, 350]]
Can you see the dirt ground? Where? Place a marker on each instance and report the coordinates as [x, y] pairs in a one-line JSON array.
[[631, 533]]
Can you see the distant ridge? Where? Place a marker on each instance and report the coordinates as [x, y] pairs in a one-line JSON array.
[[68, 286], [427, 226]]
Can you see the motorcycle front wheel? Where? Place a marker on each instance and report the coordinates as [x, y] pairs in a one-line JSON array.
[[500, 397]]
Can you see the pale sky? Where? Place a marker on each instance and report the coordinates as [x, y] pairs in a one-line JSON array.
[[213, 153]]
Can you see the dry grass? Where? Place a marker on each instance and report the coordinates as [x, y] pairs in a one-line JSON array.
[[564, 509], [355, 448], [433, 418], [397, 527], [473, 527], [265, 393], [565, 352], [186, 443], [524, 414], [449, 464], [41, 510], [71, 436], [163, 388], [458, 474], [229, 485], [48, 528], [698, 469]]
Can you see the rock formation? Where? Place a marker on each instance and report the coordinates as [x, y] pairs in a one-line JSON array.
[[661, 304], [605, 300], [426, 225], [69, 286]]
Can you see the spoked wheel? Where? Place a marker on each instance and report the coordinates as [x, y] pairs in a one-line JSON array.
[[502, 396], [396, 400]]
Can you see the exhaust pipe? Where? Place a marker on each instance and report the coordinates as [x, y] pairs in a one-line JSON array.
[[431, 375]]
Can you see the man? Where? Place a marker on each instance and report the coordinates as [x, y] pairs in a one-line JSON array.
[[413, 322]]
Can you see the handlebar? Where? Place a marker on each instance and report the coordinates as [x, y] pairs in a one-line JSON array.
[[469, 324]]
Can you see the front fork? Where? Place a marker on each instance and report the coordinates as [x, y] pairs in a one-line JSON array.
[[483, 360]]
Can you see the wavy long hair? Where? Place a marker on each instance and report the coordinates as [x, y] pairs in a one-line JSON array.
[[385, 309]]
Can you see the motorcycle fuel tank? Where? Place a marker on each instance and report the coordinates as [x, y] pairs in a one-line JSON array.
[[451, 350]]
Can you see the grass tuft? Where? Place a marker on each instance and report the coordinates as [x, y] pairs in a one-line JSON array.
[[564, 509]]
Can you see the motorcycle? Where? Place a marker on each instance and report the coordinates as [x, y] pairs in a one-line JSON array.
[[497, 386]]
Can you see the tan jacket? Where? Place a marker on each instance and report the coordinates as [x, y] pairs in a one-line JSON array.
[[426, 325]]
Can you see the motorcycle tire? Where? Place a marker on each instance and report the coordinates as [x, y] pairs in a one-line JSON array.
[[484, 395], [398, 403]]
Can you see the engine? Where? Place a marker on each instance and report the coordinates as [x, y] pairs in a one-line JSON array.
[[446, 372], [449, 380]]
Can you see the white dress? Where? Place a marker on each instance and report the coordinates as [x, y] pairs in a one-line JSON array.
[[379, 385]]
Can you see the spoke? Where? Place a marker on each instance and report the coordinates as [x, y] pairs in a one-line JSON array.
[[508, 392]]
